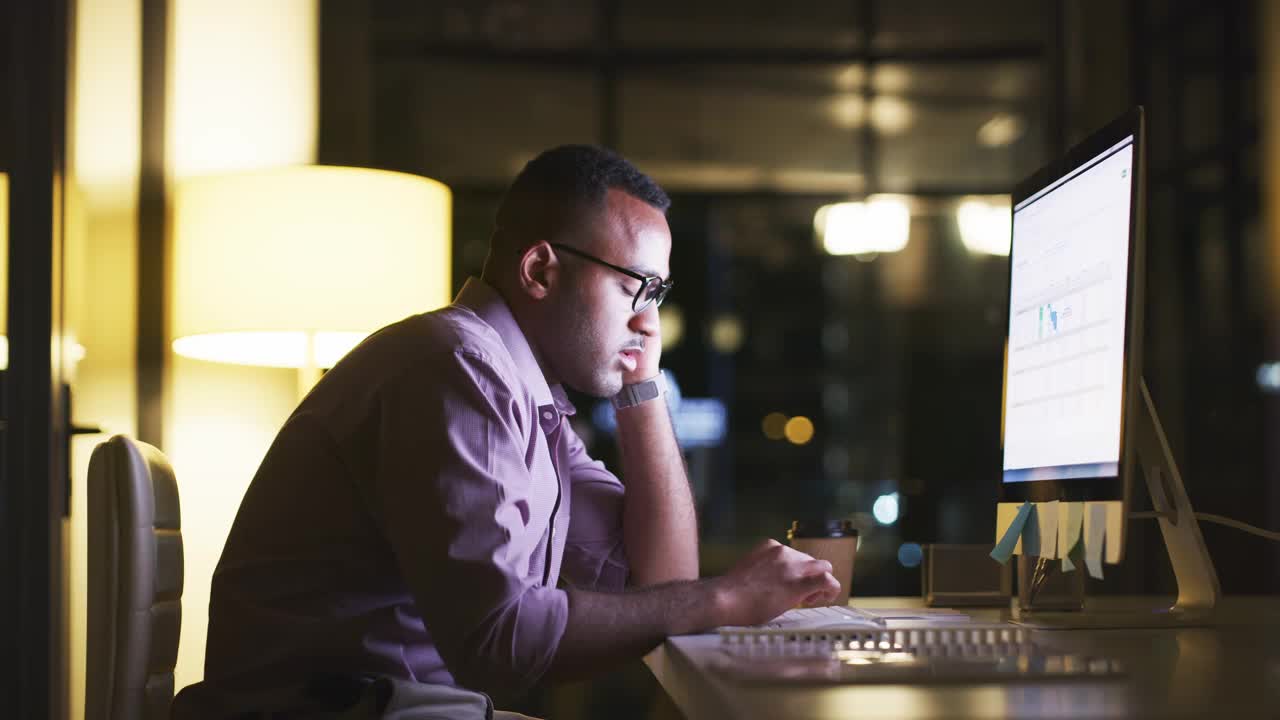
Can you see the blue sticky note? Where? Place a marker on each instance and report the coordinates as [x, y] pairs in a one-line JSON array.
[[1004, 549]]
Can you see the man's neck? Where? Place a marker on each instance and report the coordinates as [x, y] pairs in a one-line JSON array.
[[523, 321]]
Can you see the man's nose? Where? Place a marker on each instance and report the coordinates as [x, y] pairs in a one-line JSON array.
[[645, 322]]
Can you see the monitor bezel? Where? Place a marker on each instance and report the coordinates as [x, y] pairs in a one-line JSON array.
[[1110, 487]]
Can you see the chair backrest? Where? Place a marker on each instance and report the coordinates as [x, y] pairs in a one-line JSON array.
[[135, 582]]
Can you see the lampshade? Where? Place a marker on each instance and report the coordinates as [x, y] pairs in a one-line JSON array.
[[292, 267]]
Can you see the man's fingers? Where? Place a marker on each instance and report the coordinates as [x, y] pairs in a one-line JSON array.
[[821, 566], [827, 584], [822, 590]]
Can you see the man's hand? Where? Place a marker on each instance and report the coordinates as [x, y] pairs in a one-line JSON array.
[[770, 580], [607, 628]]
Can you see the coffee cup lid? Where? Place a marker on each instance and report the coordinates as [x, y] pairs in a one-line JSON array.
[[821, 529]]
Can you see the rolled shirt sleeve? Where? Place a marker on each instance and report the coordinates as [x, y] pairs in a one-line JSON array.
[[452, 492], [594, 554]]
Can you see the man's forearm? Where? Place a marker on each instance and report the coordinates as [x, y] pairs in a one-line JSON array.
[[659, 523], [606, 629]]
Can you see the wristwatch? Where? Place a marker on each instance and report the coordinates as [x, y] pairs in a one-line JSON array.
[[636, 393]]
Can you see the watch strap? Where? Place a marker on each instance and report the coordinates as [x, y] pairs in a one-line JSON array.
[[641, 392]]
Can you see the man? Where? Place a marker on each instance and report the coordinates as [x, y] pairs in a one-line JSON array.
[[399, 550]]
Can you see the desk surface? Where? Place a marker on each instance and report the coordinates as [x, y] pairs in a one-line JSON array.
[[1231, 669]]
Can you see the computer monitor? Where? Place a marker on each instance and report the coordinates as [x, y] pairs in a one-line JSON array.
[[1075, 315], [1077, 419]]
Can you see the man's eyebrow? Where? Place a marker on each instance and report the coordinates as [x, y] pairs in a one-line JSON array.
[[644, 271]]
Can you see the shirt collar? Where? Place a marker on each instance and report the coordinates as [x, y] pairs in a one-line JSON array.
[[484, 300]]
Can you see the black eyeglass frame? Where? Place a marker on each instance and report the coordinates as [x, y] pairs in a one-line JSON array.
[[657, 294]]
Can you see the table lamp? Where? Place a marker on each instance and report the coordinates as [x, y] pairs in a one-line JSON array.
[[293, 267]]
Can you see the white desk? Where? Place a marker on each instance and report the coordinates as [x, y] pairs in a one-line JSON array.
[[1230, 670]]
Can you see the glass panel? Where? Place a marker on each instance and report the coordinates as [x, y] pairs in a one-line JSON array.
[[745, 127], [1160, 122], [1213, 275], [1202, 110], [412, 26], [807, 25], [1207, 178], [100, 268], [1002, 80], [1247, 28], [1256, 263], [432, 109], [1202, 37], [953, 148], [935, 24]]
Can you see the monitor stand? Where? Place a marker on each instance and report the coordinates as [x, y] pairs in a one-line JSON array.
[[1198, 588]]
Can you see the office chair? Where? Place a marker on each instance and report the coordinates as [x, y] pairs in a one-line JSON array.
[[135, 582]]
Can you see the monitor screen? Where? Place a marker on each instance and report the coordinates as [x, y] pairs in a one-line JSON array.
[[1068, 288]]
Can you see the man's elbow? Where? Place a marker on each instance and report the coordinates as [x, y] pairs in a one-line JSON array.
[[474, 671], [510, 654]]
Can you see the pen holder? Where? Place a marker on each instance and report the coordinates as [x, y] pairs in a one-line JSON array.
[[955, 575], [1043, 585]]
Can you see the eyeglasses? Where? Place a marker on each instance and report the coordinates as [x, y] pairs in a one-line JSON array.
[[653, 289]]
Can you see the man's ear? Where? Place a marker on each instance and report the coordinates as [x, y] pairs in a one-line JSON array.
[[538, 270]]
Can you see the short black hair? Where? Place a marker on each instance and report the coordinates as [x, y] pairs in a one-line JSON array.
[[549, 194]]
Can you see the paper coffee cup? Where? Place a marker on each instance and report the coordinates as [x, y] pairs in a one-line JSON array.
[[835, 541]]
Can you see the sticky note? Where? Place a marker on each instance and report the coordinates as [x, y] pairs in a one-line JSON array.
[[1070, 533], [1040, 537], [1095, 533], [1115, 528], [1005, 514], [1010, 541]]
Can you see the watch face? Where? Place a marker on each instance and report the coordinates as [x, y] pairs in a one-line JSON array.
[[647, 390]]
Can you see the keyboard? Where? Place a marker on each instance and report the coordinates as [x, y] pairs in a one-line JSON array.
[[823, 617]]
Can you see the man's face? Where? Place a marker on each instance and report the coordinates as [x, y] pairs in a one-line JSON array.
[[594, 336]]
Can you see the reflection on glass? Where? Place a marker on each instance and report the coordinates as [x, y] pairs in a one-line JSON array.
[[879, 224], [986, 225]]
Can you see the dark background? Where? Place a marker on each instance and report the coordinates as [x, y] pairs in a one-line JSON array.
[[753, 114]]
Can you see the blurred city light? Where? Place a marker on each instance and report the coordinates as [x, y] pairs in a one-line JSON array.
[[880, 224], [799, 430], [774, 425], [848, 111], [986, 226], [891, 115], [910, 554], [885, 509], [1002, 129], [1268, 377], [726, 334], [671, 320]]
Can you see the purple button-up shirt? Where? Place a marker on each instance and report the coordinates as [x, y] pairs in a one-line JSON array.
[[413, 516]]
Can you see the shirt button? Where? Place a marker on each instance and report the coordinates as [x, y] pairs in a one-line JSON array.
[[547, 415]]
